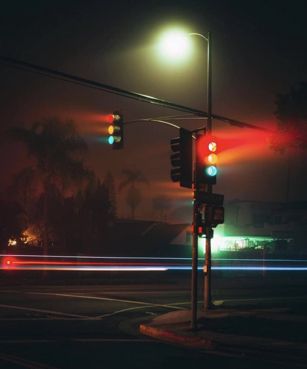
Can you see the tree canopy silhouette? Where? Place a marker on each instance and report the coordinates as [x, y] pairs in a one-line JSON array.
[[291, 134], [56, 151], [56, 148], [132, 178], [291, 114]]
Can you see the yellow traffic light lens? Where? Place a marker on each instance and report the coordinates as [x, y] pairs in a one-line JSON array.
[[110, 130], [212, 146], [212, 158]]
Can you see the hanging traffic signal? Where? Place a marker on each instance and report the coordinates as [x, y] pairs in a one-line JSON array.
[[116, 131], [181, 158], [206, 159]]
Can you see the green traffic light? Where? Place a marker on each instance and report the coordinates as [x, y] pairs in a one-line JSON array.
[[111, 140], [211, 171]]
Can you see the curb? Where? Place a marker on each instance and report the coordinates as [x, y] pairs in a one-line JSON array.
[[170, 336], [280, 351]]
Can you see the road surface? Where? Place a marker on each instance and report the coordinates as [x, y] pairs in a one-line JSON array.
[[80, 322]]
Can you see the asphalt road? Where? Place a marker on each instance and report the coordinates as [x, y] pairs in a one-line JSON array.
[[76, 322]]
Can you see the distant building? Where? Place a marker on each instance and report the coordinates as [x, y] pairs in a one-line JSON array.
[[276, 227], [261, 227]]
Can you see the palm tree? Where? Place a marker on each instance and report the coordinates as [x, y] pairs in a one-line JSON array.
[[56, 150], [131, 180]]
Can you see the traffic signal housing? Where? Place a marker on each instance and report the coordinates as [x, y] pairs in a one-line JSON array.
[[206, 159], [181, 158], [214, 215], [116, 131]]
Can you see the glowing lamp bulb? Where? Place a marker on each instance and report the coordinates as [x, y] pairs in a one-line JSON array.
[[212, 158], [111, 140], [175, 45], [110, 130], [211, 171], [212, 146]]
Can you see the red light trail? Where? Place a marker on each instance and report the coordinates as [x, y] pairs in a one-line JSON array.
[[148, 264]]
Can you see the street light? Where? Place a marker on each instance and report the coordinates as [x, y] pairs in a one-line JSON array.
[[173, 45], [176, 45]]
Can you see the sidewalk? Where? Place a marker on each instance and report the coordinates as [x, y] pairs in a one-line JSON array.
[[272, 333]]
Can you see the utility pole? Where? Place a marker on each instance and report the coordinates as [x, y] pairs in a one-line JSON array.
[[194, 287], [209, 231]]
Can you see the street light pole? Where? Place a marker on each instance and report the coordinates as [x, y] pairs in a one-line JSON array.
[[208, 130], [199, 206], [194, 286], [209, 232], [208, 39], [209, 83]]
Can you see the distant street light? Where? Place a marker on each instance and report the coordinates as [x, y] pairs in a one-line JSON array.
[[175, 44]]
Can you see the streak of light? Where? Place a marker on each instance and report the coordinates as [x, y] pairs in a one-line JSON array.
[[262, 268], [147, 258], [263, 260], [157, 269], [75, 263], [94, 268], [243, 268], [148, 264]]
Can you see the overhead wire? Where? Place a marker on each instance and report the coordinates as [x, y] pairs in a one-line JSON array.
[[67, 77]]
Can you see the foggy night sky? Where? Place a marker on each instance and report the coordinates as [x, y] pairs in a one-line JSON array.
[[259, 49]]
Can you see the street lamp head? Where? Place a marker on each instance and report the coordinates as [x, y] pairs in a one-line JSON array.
[[175, 45]]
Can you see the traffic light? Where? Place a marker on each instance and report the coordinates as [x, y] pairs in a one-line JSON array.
[[116, 131], [181, 158], [206, 159]]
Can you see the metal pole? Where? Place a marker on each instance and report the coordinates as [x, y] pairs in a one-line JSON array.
[[194, 264], [209, 83], [207, 270], [207, 266]]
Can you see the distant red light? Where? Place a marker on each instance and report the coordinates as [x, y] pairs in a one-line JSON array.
[[108, 118], [8, 263]]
